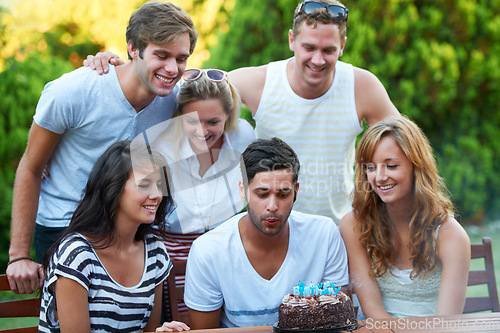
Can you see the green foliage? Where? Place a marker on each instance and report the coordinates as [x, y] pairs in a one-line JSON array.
[[437, 59], [75, 52], [438, 62], [258, 34], [20, 87]]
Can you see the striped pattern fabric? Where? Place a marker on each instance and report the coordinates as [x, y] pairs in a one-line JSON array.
[[322, 132], [112, 307], [178, 246]]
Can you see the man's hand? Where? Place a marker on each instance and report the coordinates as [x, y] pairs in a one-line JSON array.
[[100, 61], [25, 276]]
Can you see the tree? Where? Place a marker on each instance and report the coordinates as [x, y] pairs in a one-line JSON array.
[[438, 61], [258, 34]]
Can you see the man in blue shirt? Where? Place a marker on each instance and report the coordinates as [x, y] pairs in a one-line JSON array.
[[79, 116]]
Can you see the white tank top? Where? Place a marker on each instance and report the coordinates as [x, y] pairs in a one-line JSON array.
[[322, 132]]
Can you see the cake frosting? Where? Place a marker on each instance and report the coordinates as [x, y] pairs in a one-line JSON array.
[[318, 307]]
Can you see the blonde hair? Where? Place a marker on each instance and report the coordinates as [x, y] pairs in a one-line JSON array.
[[204, 89], [318, 16], [430, 198]]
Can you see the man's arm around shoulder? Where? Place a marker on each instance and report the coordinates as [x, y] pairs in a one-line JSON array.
[[372, 100], [250, 84]]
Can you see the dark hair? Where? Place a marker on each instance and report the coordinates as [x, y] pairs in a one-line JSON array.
[[94, 216], [268, 155], [159, 23]]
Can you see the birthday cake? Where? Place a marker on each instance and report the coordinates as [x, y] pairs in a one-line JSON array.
[[316, 307]]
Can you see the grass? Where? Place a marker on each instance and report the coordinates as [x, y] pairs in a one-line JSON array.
[[476, 234], [8, 323]]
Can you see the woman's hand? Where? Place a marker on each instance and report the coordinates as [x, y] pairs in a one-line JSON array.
[[173, 326]]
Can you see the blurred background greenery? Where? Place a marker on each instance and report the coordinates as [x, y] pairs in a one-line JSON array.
[[439, 61]]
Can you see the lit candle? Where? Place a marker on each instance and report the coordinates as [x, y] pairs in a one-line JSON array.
[[301, 288]]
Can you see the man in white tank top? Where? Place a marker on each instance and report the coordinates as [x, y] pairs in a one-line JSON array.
[[316, 104], [313, 102]]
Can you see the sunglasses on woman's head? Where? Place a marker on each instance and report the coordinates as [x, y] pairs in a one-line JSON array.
[[337, 12], [215, 75]]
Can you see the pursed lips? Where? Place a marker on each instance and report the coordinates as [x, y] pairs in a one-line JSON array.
[[271, 220]]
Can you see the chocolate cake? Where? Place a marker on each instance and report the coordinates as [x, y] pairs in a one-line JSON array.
[[318, 311]]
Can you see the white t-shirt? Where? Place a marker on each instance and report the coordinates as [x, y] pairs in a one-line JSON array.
[[219, 273]]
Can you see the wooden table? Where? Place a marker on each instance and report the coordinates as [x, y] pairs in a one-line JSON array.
[[475, 322]]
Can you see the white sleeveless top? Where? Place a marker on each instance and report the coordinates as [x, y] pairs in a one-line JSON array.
[[322, 132], [404, 297]]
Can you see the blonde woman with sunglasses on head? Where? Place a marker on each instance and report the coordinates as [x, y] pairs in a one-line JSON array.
[[203, 145]]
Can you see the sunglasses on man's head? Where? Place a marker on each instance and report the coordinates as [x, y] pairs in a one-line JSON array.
[[215, 75], [337, 12]]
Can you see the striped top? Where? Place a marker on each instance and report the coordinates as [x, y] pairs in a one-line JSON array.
[[112, 307], [322, 132], [404, 297]]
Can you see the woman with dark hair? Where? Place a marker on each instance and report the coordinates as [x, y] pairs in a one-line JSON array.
[[408, 256], [106, 271]]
